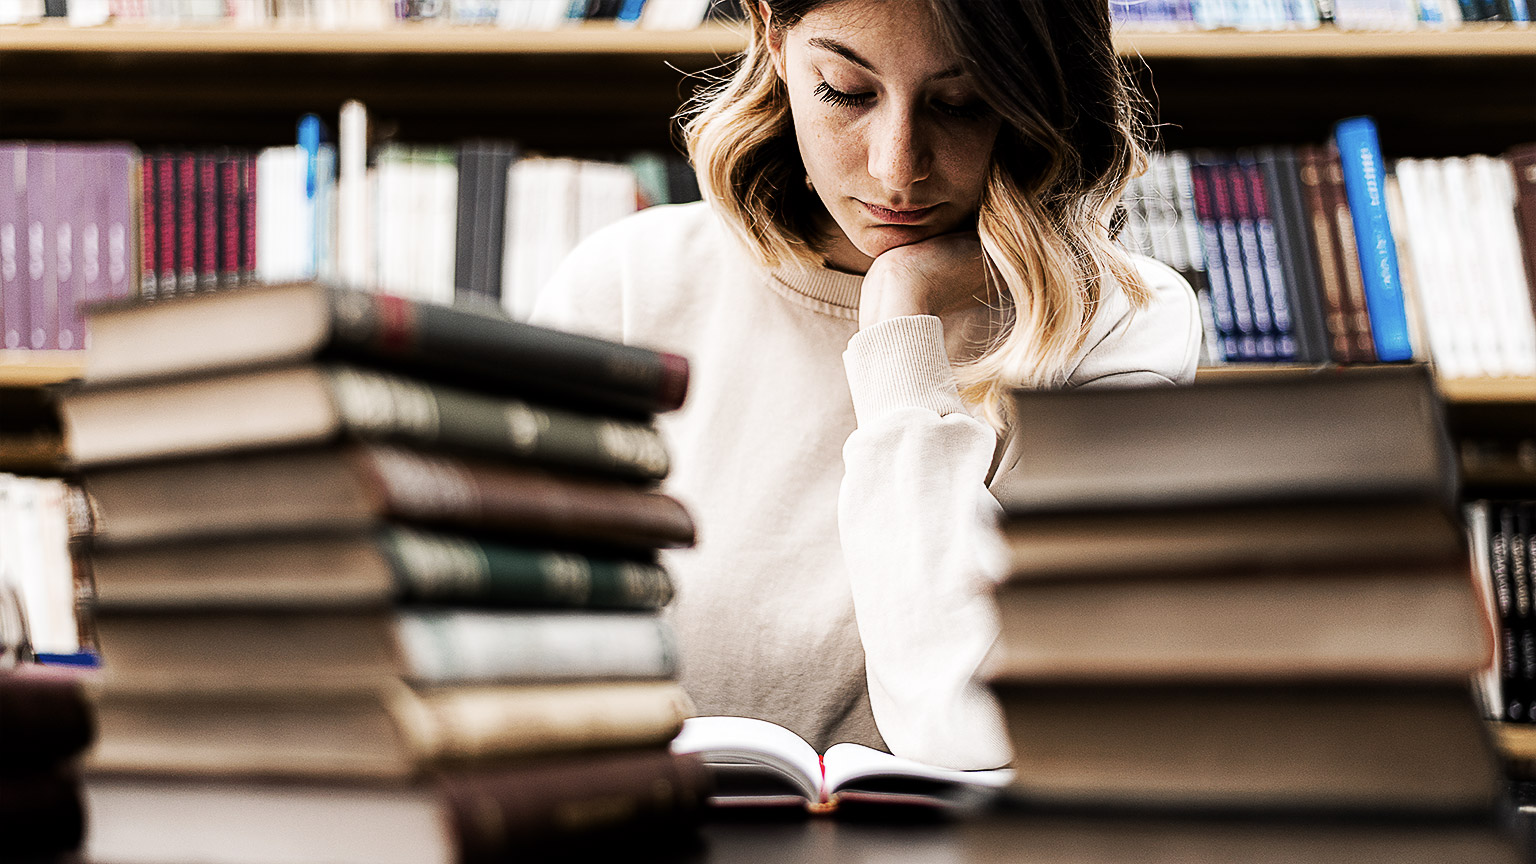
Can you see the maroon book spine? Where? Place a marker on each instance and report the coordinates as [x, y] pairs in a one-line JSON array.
[[229, 220], [1358, 317], [165, 196], [149, 244], [186, 222], [248, 218], [207, 221]]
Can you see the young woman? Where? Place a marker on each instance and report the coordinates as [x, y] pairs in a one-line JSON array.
[[907, 214]]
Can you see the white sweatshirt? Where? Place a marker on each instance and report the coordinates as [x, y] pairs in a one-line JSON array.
[[847, 538]]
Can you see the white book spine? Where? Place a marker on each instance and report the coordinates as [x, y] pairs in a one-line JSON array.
[[352, 216], [485, 646]]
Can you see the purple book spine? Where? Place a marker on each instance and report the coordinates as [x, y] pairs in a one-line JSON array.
[[42, 222], [13, 197], [118, 179], [74, 228]]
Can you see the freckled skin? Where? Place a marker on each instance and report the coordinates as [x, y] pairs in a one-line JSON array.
[[902, 131]]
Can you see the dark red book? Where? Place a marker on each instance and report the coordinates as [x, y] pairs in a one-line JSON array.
[[229, 220], [165, 201], [186, 222], [207, 222], [248, 218]]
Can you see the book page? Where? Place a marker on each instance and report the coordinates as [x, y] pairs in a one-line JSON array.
[[858, 772], [754, 761]]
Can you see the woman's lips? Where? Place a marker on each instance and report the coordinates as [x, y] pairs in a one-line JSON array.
[[906, 216]]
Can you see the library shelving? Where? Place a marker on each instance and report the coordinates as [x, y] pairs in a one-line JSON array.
[[39, 368]]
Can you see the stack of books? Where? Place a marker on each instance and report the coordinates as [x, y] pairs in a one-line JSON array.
[[379, 572], [46, 722], [1250, 594]]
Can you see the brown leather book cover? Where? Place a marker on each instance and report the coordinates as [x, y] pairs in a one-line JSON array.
[[1356, 313], [496, 810], [1340, 347]]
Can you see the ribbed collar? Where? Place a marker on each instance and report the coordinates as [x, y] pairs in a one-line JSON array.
[[821, 284]]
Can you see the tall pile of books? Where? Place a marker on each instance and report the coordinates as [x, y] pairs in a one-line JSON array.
[[377, 572], [44, 724], [1252, 594]]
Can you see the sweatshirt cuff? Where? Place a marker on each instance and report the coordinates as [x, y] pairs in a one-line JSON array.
[[901, 363]]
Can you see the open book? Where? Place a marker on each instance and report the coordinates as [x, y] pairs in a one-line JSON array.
[[757, 763]]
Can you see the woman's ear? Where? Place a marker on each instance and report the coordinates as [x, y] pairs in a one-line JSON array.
[[774, 36]]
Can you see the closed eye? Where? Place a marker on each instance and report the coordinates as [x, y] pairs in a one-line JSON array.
[[828, 93]]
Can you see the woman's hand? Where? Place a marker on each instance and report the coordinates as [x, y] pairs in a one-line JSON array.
[[933, 277]]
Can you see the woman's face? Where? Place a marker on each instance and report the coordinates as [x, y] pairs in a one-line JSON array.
[[895, 137]]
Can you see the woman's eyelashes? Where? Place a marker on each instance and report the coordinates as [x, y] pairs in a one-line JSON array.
[[971, 110]]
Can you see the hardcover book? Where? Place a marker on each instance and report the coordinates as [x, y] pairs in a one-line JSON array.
[[356, 487], [267, 326]]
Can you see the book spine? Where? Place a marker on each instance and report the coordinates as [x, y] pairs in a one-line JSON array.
[[1210, 245], [387, 406], [228, 170], [1365, 187], [1312, 176], [558, 802], [1522, 161], [13, 231], [466, 247], [47, 721], [123, 178], [1266, 324], [1297, 259], [1231, 257], [439, 568], [186, 221], [165, 198], [1353, 294], [543, 363], [443, 489], [207, 221], [248, 218], [461, 646], [468, 723], [42, 227], [69, 230], [149, 220], [1272, 269]]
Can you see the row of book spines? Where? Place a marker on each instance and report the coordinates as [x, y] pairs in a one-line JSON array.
[[1504, 539], [513, 14], [1311, 14], [197, 227]]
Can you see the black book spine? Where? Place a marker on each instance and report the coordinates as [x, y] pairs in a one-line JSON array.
[[467, 245], [1297, 266]]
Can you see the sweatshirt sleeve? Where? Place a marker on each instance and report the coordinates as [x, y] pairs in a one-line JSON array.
[[918, 523]]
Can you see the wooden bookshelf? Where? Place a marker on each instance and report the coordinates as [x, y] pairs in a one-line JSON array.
[[1492, 40], [1491, 391], [37, 368]]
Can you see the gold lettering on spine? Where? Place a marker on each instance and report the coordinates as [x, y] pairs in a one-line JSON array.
[[632, 444], [434, 566], [385, 405], [566, 578], [424, 487], [525, 426]]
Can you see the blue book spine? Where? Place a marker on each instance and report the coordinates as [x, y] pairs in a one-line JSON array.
[[629, 13], [1365, 182]]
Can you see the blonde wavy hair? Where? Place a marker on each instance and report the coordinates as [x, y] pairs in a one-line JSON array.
[[1070, 141]]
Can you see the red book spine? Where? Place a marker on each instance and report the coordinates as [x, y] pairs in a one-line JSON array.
[[229, 220], [186, 222], [248, 218], [165, 207], [207, 222], [149, 214]]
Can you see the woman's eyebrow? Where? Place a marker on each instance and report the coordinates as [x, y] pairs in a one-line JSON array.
[[852, 56]]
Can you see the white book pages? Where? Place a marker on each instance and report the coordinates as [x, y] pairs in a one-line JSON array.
[[848, 765], [729, 742], [184, 821]]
